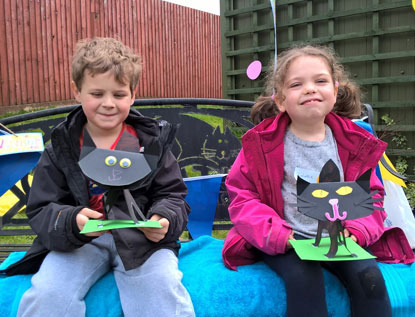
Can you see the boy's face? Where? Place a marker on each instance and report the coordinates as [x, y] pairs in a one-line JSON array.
[[105, 102]]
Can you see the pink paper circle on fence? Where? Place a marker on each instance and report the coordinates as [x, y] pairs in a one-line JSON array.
[[253, 70]]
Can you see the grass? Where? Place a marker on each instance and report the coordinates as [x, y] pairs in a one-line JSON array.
[[17, 239], [23, 111], [218, 234], [23, 239]]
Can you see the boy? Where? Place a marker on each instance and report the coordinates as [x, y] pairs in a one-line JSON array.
[[105, 75]]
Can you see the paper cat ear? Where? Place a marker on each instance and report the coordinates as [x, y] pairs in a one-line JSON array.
[[329, 173], [364, 180], [301, 185], [88, 145], [152, 154], [128, 143]]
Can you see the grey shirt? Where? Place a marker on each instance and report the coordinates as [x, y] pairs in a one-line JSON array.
[[304, 158]]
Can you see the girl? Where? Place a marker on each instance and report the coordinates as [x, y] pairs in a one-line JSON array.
[[308, 124]]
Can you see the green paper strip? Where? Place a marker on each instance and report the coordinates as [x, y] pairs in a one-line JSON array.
[[94, 225], [307, 251]]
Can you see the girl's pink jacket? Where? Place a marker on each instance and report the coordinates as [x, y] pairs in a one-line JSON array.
[[254, 187]]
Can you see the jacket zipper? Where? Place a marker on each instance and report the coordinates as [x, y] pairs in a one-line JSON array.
[[55, 226]]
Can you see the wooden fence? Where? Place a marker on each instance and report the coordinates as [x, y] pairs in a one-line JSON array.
[[180, 46], [374, 39]]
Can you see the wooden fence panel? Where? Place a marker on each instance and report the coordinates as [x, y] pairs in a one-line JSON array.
[[180, 47], [374, 39]]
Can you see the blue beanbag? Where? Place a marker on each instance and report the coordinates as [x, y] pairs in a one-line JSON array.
[[254, 290]]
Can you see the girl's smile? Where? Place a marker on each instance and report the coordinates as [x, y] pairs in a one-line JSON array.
[[311, 101]]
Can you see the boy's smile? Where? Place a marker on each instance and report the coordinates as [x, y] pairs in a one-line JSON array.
[[105, 102]]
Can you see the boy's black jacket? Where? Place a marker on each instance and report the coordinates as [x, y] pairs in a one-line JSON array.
[[60, 190]]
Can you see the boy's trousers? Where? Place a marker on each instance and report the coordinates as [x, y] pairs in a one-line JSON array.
[[64, 279]]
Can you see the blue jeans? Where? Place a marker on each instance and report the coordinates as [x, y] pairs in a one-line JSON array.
[[64, 279]]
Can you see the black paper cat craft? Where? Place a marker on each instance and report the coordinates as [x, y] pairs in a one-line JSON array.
[[118, 169], [330, 201]]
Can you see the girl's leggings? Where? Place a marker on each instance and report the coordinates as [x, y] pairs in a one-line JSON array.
[[304, 285]]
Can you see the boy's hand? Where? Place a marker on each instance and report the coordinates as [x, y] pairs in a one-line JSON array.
[[156, 234], [83, 216]]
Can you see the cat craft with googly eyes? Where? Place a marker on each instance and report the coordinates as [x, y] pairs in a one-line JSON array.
[[331, 201], [118, 169]]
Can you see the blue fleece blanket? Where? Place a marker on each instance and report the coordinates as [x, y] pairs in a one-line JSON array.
[[253, 290]]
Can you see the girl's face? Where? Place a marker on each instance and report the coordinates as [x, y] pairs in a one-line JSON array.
[[309, 92]]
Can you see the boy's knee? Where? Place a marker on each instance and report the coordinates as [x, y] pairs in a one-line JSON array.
[[36, 297], [162, 269], [46, 293], [169, 276], [48, 300]]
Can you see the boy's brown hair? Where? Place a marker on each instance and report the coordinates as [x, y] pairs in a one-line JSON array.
[[101, 54]]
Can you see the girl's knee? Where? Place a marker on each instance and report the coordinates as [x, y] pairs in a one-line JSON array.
[[372, 283], [306, 279]]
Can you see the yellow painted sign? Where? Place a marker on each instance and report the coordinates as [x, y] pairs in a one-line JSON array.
[[21, 143], [413, 4], [388, 175]]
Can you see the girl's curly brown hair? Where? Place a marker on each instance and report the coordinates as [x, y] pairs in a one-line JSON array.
[[347, 104]]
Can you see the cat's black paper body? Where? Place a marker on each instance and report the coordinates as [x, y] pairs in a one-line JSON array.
[[330, 201], [117, 169]]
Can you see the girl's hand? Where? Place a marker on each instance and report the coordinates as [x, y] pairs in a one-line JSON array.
[[84, 215], [347, 234], [290, 237], [156, 234]]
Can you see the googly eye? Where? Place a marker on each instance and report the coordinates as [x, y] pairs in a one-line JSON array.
[[110, 160], [125, 163]]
